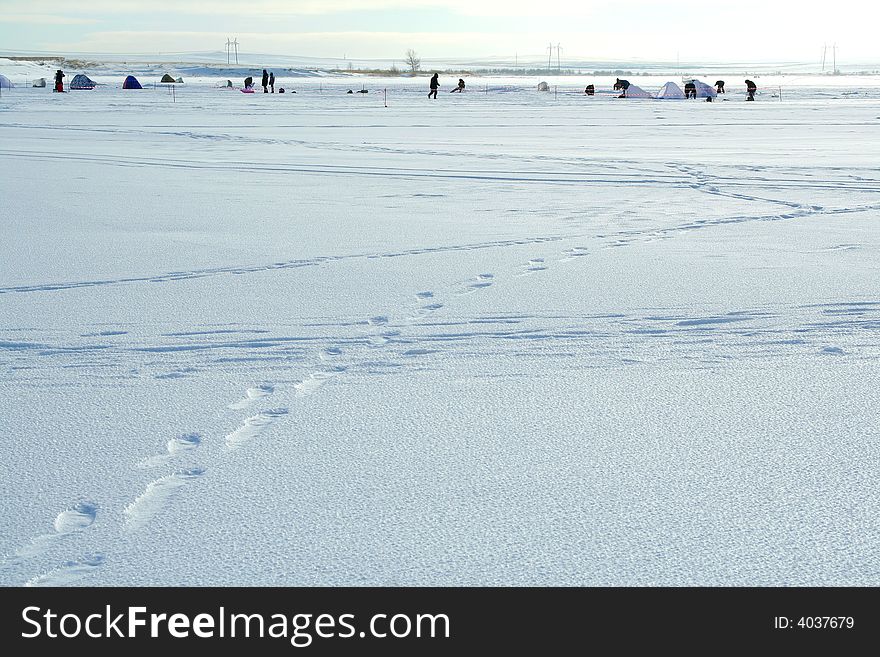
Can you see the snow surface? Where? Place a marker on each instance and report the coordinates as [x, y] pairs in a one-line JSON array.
[[504, 337]]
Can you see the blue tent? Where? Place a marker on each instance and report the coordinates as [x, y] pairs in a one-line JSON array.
[[131, 83], [5, 83], [81, 81]]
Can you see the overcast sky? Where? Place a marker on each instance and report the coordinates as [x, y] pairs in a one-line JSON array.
[[692, 30]]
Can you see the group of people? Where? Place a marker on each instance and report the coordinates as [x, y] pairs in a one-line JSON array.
[[267, 82], [435, 85], [690, 89]]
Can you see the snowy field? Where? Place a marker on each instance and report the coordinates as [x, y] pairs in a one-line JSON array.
[[501, 338]]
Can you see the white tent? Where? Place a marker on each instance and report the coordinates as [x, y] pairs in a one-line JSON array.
[[637, 92], [39, 82], [669, 91], [704, 90]]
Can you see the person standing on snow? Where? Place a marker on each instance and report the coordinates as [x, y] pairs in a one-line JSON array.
[[435, 84], [265, 82], [272, 81], [59, 81], [751, 88]]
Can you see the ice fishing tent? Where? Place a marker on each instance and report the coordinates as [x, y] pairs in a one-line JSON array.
[[81, 81], [167, 79], [543, 86], [669, 91], [637, 92], [131, 83], [5, 83], [40, 83], [179, 80], [704, 90]]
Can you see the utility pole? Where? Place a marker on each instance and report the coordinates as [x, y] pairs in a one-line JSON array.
[[834, 50], [824, 53], [235, 45], [558, 53], [549, 55]]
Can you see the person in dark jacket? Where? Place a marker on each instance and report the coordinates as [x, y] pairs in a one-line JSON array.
[[590, 90], [435, 84], [265, 82], [621, 85], [459, 88], [719, 86], [751, 88], [248, 82], [59, 81], [272, 81], [690, 90]]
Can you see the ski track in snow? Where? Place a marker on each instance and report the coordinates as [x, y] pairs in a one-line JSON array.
[[824, 330]]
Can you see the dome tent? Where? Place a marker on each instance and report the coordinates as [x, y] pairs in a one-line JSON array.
[[5, 83], [704, 90], [543, 86], [167, 79], [131, 83], [81, 81], [636, 92], [39, 83], [670, 91]]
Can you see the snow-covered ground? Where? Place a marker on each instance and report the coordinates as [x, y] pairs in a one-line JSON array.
[[504, 337]]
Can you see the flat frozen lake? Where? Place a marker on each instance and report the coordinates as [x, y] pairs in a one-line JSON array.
[[505, 337]]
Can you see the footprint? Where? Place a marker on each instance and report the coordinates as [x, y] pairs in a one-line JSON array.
[[573, 253], [252, 427], [329, 353], [251, 394], [316, 380], [176, 374], [424, 311], [478, 283], [76, 518], [70, 521], [69, 572], [157, 493], [180, 444], [533, 265], [424, 295]]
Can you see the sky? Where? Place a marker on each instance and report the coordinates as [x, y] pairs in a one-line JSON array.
[[695, 31]]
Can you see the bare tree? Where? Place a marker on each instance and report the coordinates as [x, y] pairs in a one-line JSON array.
[[413, 60]]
